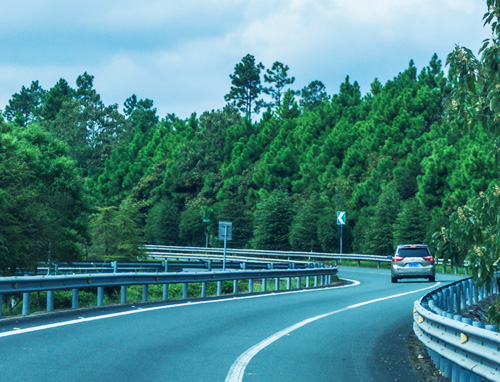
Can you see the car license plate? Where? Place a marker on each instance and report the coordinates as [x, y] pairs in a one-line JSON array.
[[413, 265]]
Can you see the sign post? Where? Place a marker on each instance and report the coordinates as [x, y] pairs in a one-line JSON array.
[[225, 231], [340, 223]]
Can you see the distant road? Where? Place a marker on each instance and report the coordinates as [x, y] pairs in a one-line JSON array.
[[355, 333]]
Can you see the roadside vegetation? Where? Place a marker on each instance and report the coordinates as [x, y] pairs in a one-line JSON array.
[[414, 159]]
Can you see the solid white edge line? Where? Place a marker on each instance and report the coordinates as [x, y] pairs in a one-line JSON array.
[[189, 303], [237, 370]]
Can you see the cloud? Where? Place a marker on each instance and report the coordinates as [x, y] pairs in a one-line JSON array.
[[180, 53]]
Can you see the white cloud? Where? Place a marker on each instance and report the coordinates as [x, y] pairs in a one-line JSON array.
[[180, 53]]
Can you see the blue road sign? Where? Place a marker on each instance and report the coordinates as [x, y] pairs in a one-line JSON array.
[[340, 217]]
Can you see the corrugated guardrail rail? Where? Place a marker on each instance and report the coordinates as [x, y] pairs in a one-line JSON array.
[[162, 251], [463, 349], [28, 284]]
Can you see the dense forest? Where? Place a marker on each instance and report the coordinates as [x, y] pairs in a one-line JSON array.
[[83, 180]]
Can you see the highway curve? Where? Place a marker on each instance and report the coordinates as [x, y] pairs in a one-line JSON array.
[[355, 333]]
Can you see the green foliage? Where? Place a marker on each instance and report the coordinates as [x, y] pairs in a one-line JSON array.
[[273, 217], [24, 107], [304, 229], [411, 223], [162, 223], [474, 236], [116, 233], [246, 86], [42, 202], [379, 235]]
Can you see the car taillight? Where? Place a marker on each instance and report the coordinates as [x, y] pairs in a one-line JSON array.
[[428, 258], [397, 258]]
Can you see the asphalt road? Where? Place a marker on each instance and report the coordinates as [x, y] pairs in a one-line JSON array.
[[355, 333]]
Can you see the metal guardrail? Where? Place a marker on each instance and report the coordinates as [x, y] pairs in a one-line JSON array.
[[28, 284], [198, 262], [161, 251], [463, 349]]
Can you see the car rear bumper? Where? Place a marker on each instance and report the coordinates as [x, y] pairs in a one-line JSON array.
[[417, 272]]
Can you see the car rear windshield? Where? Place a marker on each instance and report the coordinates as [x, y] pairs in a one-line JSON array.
[[413, 252]]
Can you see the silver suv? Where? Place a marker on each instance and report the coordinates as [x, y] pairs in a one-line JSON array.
[[413, 261]]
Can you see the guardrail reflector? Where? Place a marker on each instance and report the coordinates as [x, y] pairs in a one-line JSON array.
[[463, 338]]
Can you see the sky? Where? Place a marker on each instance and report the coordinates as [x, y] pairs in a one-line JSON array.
[[180, 53]]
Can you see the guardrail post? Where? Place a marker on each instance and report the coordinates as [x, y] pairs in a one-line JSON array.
[[359, 263], [26, 304], [100, 296], [50, 300], [185, 290], [114, 264], [209, 265], [288, 283], [299, 282], [463, 296], [457, 291], [219, 288], [204, 289], [165, 266], [74, 298], [264, 285], [470, 292], [123, 294], [235, 286], [145, 292], [315, 281], [250, 286], [446, 299], [165, 292]]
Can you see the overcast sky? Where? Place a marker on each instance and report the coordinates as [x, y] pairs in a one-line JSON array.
[[180, 53]]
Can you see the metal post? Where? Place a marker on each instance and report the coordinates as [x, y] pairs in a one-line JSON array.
[[50, 300], [145, 292], [26, 304], [100, 296], [276, 284], [264, 285], [185, 290], [165, 292], [74, 300], [235, 286], [219, 288], [250, 286], [288, 283], [341, 239], [225, 243], [123, 294], [204, 289]]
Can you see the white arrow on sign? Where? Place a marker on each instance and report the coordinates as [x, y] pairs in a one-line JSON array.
[[340, 217]]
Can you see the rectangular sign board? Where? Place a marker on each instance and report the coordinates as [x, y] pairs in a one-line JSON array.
[[225, 230], [340, 217]]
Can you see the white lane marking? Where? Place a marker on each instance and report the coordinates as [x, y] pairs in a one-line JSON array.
[[237, 370], [140, 310]]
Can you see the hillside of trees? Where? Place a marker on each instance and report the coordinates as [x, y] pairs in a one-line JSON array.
[[83, 180]]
